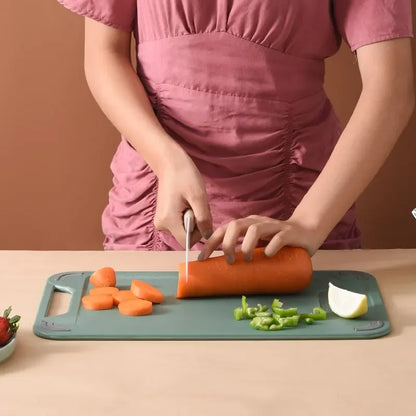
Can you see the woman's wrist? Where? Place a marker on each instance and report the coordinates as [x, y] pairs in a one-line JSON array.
[[316, 227], [170, 157]]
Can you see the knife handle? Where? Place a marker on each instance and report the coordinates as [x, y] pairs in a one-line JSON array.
[[189, 218]]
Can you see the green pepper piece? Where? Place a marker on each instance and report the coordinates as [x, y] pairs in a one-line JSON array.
[[317, 314], [251, 312], [264, 314], [285, 312], [262, 323], [275, 327], [309, 321], [276, 304], [238, 314], [288, 321], [244, 306], [259, 324], [262, 308]]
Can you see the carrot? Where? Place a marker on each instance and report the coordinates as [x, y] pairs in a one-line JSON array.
[[97, 302], [289, 271], [143, 290], [135, 307], [110, 290], [123, 295], [103, 277]]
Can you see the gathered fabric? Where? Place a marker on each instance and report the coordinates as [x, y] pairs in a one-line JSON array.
[[239, 85]]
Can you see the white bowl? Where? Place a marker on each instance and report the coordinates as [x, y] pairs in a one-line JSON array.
[[7, 350]]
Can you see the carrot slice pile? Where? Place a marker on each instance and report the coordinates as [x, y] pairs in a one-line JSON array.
[[135, 307], [107, 290], [97, 302], [103, 277], [143, 290], [289, 271], [123, 295], [136, 301]]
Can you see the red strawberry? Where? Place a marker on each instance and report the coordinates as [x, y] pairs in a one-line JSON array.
[[8, 326]]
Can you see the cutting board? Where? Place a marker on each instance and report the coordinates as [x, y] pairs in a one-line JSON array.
[[206, 318]]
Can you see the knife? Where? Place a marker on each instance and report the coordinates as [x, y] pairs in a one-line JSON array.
[[189, 223]]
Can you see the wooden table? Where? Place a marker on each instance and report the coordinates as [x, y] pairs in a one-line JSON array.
[[342, 377]]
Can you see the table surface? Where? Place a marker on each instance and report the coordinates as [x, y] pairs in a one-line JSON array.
[[301, 377]]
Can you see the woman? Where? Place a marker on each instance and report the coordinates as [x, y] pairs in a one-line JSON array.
[[226, 114]]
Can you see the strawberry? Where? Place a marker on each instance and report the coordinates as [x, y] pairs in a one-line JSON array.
[[8, 326]]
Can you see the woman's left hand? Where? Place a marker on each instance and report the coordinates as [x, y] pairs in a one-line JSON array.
[[255, 228]]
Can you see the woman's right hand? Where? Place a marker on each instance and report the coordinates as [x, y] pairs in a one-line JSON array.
[[180, 186]]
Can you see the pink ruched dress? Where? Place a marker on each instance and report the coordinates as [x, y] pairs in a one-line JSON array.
[[239, 84]]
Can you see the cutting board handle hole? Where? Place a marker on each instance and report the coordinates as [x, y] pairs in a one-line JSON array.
[[59, 303]]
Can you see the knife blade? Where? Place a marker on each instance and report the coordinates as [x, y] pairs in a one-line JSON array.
[[189, 224]]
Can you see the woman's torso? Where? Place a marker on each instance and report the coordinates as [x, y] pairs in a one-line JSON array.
[[239, 84]]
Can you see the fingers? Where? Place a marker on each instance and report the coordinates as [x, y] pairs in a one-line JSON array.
[[202, 214], [275, 244], [229, 241], [254, 228], [212, 243]]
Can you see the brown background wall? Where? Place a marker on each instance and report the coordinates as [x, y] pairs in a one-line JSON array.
[[56, 146]]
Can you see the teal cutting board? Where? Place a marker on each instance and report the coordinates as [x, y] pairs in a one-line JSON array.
[[206, 318]]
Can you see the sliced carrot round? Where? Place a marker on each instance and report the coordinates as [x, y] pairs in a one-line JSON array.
[[135, 307], [97, 302], [143, 290], [123, 295], [103, 277], [105, 290]]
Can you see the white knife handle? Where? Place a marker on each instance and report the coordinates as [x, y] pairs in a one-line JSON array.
[[189, 220]]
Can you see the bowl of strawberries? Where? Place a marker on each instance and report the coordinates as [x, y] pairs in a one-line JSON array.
[[8, 329]]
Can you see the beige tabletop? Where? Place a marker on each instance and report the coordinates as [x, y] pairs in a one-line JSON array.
[[315, 377]]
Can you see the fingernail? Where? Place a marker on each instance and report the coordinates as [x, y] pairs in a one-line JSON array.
[[201, 256], [248, 257], [230, 259], [207, 234]]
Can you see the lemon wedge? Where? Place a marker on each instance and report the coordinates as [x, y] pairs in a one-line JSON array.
[[345, 303]]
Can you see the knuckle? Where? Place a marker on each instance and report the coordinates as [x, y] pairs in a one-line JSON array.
[[253, 229], [233, 225], [227, 248]]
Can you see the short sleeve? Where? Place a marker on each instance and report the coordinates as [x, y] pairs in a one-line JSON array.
[[361, 22], [119, 14]]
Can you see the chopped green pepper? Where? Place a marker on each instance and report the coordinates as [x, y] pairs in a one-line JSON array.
[[286, 321], [244, 306], [263, 320], [275, 327], [251, 312], [262, 308], [276, 304], [317, 314], [286, 312], [261, 323], [264, 314], [238, 314]]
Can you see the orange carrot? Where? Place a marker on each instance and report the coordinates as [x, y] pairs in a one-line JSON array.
[[97, 302], [135, 307], [123, 295], [143, 290], [108, 290], [103, 277], [289, 271]]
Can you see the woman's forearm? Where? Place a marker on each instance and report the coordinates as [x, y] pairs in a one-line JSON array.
[[123, 99], [379, 118]]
